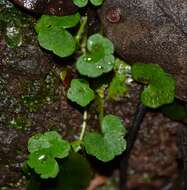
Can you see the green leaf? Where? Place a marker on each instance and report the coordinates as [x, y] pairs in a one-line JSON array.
[[43, 163], [57, 40], [80, 92], [75, 173], [96, 2], [110, 143], [99, 59], [80, 3], [175, 111], [51, 141], [118, 88], [44, 148], [47, 21], [160, 88], [113, 124], [53, 36]]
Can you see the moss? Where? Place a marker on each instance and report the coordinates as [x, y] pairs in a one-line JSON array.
[[20, 122], [38, 93], [12, 22]]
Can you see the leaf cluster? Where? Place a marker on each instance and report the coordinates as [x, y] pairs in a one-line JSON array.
[[160, 86], [44, 148]]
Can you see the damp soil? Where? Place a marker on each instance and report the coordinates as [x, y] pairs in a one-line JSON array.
[[32, 100]]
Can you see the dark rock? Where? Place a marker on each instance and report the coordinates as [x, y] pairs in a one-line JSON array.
[[53, 7], [150, 31]]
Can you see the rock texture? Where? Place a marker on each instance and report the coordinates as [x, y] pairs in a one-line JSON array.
[[54, 7], [150, 31]]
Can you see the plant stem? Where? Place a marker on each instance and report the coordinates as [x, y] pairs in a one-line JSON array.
[[81, 29], [84, 125], [101, 109], [131, 138]]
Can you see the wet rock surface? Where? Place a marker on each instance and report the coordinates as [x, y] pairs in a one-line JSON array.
[[150, 31], [53, 7], [32, 100], [31, 96]]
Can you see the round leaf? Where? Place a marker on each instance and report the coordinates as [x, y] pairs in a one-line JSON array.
[[80, 92], [110, 143], [57, 40], [99, 59], [97, 41]]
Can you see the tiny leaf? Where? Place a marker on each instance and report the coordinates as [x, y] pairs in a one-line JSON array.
[[118, 88], [80, 92]]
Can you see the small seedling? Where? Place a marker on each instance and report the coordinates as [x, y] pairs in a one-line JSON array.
[[117, 86]]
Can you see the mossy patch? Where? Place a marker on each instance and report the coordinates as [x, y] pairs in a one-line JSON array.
[[12, 23], [38, 93]]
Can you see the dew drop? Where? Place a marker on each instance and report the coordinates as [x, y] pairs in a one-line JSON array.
[[89, 59], [41, 157], [99, 67]]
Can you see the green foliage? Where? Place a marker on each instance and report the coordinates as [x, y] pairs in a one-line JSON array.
[[175, 111], [161, 86], [44, 148], [99, 59], [53, 36], [75, 173], [110, 143], [83, 3], [117, 86], [80, 92]]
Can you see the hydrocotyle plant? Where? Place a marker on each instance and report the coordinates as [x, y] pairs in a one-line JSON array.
[[94, 57]]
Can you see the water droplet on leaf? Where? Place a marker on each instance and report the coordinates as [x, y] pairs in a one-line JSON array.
[[99, 67]]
